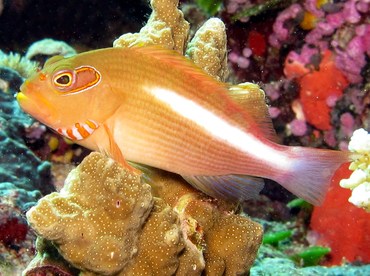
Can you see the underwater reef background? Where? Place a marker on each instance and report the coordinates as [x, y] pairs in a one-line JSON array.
[[312, 60], [87, 24]]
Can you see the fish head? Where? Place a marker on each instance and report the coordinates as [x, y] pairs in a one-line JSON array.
[[67, 94]]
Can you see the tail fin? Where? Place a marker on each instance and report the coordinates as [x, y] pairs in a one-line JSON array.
[[310, 175]]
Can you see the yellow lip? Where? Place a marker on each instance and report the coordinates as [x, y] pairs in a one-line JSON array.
[[20, 97], [38, 108], [23, 101]]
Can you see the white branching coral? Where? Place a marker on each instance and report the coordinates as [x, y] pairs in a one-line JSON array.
[[359, 181], [15, 61]]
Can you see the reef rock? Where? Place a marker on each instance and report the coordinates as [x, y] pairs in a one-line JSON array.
[[23, 176], [109, 221]]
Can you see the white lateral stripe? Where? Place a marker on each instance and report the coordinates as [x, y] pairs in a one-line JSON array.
[[218, 127]]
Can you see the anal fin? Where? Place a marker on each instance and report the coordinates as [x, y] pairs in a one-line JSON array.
[[228, 187]]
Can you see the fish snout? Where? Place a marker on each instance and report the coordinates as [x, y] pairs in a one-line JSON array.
[[24, 85], [27, 86], [21, 95], [25, 91], [36, 104]]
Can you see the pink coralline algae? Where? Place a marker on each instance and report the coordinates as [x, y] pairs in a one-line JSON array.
[[255, 46], [281, 33], [340, 27], [347, 123], [241, 61], [235, 5], [351, 58], [311, 6], [298, 127], [325, 61]]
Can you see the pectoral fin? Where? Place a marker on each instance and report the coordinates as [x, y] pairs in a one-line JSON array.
[[227, 187], [116, 154]]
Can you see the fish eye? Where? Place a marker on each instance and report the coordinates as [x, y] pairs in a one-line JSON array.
[[63, 79]]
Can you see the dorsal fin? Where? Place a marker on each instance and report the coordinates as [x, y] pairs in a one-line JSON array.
[[253, 100], [179, 61]]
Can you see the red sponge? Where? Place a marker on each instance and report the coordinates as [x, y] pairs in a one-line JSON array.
[[342, 226]]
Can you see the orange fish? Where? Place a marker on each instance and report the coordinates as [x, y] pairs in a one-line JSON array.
[[153, 106]]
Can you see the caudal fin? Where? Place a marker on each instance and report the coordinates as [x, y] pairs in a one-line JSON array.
[[310, 175]]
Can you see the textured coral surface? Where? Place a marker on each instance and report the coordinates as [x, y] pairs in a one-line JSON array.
[[228, 240], [106, 221], [95, 218], [166, 26]]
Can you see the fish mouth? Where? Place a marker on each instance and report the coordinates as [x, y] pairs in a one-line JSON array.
[[38, 108], [21, 97], [24, 102]]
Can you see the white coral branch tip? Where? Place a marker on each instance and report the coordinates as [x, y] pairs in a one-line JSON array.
[[359, 181]]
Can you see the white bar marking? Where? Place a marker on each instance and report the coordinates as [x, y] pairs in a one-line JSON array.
[[218, 127]]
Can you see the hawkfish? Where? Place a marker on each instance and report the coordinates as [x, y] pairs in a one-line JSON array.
[[155, 107]]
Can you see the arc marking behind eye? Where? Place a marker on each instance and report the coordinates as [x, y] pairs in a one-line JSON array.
[[94, 82], [63, 83]]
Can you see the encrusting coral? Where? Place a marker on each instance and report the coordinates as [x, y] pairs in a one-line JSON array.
[[228, 240], [167, 27], [47, 262], [105, 221], [95, 218], [207, 48]]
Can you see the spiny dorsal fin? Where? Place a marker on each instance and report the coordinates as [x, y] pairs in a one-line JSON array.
[[253, 100], [179, 61]]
